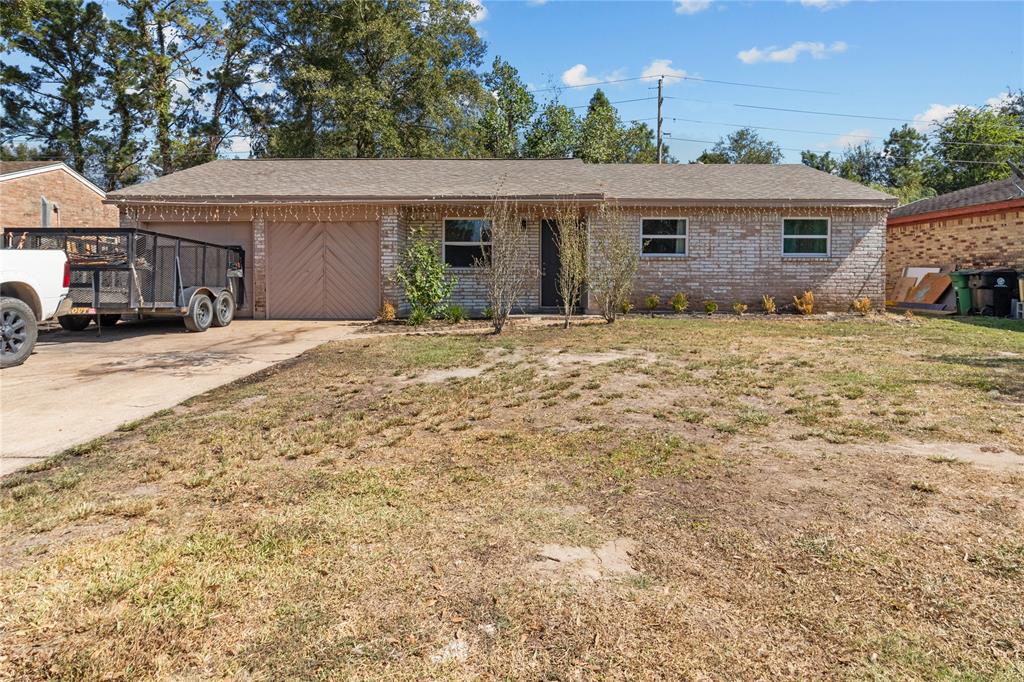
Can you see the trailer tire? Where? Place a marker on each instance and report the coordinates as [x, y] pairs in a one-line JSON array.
[[200, 314], [110, 319], [19, 328], [223, 309], [74, 323]]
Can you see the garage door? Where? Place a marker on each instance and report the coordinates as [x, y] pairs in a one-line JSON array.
[[228, 234], [323, 270]]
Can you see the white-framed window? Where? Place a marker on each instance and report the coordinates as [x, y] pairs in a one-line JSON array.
[[806, 237], [466, 240], [663, 236]]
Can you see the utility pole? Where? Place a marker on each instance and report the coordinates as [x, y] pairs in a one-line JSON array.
[[660, 101]]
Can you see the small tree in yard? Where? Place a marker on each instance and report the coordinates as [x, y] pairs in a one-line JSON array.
[[616, 258], [424, 278], [505, 272], [571, 242]]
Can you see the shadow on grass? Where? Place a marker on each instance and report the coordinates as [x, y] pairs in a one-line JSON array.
[[991, 322]]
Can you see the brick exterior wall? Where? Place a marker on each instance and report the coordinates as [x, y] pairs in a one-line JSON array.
[[735, 256], [259, 264], [80, 206], [970, 241]]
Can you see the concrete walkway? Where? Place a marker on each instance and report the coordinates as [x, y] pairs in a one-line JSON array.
[[77, 385]]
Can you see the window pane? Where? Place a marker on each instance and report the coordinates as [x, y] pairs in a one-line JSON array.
[[807, 227], [465, 256], [467, 230], [664, 246], [815, 247], [666, 226]]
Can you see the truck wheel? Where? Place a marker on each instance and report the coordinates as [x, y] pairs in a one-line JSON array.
[[109, 320], [74, 323], [200, 314], [223, 309], [18, 330]]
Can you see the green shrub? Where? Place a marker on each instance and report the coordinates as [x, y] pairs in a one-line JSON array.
[[710, 307], [680, 302], [424, 278], [454, 314], [488, 313], [626, 307], [652, 301]]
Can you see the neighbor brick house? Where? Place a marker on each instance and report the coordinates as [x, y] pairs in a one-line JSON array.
[[976, 227], [323, 237], [50, 194]]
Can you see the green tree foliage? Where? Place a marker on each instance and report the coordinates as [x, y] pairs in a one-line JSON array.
[[50, 101], [823, 162], [862, 163], [507, 112], [22, 152], [601, 133], [973, 146], [375, 78], [554, 134], [742, 146]]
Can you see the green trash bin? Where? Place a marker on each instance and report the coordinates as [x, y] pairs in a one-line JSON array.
[[963, 291]]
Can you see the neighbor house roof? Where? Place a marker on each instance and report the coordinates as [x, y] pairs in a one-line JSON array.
[[447, 180], [997, 192], [12, 170]]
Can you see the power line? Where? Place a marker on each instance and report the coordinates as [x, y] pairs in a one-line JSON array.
[[829, 113], [695, 79], [820, 132], [898, 158]]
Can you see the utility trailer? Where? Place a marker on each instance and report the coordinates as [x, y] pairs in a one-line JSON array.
[[119, 272]]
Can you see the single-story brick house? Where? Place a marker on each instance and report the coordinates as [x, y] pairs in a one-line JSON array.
[[323, 237], [50, 194], [975, 227]]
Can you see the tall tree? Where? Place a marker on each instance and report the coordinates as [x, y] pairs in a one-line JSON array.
[[50, 100], [121, 146], [862, 163], [904, 153], [641, 145], [507, 113], [823, 162], [601, 137], [169, 37], [742, 146], [372, 78], [554, 133], [972, 146]]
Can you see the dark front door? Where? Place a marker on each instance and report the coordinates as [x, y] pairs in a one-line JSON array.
[[550, 266]]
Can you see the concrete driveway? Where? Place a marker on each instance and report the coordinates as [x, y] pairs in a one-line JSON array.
[[77, 385]]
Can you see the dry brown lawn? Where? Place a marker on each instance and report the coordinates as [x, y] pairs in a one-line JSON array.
[[655, 499]]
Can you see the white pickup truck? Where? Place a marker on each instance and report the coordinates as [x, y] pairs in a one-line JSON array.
[[33, 287]]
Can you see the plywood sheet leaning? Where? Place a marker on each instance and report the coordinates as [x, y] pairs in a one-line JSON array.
[[930, 289]]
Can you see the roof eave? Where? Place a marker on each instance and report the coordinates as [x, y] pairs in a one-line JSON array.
[[165, 200], [766, 203], [943, 213]]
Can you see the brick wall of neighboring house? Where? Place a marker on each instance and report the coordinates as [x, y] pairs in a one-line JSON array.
[[470, 289], [966, 241], [80, 206], [735, 255]]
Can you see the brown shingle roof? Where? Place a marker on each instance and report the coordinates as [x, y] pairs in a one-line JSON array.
[[987, 193], [381, 180], [731, 183], [7, 167]]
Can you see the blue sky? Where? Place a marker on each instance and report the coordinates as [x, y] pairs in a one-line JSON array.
[[904, 60]]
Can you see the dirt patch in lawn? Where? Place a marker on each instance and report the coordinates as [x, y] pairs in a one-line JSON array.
[[659, 498]]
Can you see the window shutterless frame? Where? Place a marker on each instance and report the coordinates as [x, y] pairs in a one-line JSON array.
[[684, 237], [445, 243], [827, 237]]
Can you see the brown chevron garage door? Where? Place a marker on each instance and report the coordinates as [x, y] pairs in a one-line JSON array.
[[323, 270]]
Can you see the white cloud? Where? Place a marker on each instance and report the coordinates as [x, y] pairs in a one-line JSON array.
[[998, 101], [536, 2], [691, 6], [853, 138], [479, 11], [823, 4], [577, 75], [788, 55], [241, 145], [662, 67], [934, 113]]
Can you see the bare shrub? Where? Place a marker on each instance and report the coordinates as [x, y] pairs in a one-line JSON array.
[[387, 311], [739, 308], [616, 257], [571, 242], [768, 304], [506, 273], [862, 305]]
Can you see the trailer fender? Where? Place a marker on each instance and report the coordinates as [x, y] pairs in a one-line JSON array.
[[192, 292]]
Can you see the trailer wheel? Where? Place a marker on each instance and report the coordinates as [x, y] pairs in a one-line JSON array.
[[109, 320], [223, 309], [200, 314], [74, 323], [18, 331]]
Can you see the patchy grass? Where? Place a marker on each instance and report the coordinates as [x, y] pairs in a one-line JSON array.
[[375, 510]]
